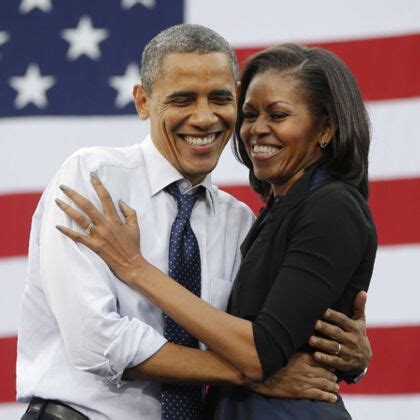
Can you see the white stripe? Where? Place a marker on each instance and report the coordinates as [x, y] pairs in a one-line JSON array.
[[392, 301], [250, 23], [34, 148], [12, 275], [387, 407], [12, 411], [393, 295]]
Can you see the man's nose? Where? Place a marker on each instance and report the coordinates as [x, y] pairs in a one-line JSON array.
[[203, 115], [259, 127]]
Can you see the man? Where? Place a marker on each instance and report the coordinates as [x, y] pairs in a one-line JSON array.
[[82, 332]]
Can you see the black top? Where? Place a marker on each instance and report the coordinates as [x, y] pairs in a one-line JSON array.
[[309, 250]]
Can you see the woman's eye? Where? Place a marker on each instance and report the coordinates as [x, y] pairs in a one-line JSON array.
[[275, 116], [249, 115]]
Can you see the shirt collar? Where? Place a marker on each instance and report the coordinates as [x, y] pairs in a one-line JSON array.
[[162, 173]]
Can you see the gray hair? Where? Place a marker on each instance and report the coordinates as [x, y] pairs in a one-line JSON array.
[[184, 38]]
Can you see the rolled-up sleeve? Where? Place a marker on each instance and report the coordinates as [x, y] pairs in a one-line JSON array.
[[81, 292]]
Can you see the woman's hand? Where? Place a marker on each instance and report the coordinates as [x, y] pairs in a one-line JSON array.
[[115, 241]]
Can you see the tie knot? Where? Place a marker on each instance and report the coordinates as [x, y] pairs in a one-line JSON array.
[[185, 201]]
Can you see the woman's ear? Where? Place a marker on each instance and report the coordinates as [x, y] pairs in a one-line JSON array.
[[141, 101], [328, 131]]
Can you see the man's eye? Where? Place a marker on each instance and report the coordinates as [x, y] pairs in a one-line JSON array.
[[222, 99]]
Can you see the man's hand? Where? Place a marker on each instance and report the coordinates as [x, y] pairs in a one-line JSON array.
[[348, 348], [302, 377]]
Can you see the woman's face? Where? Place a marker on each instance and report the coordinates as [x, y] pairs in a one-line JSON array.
[[280, 134]]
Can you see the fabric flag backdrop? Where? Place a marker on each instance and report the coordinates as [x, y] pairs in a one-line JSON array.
[[66, 73]]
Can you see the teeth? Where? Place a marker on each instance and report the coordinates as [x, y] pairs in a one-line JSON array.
[[265, 149], [200, 141]]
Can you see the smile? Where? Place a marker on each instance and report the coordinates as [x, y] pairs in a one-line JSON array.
[[200, 140], [261, 151]]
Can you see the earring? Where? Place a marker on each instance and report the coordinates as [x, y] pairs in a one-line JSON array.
[[323, 144]]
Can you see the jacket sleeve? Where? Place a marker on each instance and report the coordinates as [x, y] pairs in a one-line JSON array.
[[327, 244]]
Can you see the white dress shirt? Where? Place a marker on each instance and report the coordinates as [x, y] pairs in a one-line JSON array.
[[80, 327]]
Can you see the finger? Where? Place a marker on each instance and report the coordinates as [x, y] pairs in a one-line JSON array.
[[325, 385], [129, 213], [332, 331], [104, 196], [83, 203], [359, 306], [330, 360], [339, 319], [325, 345], [317, 394], [74, 214], [76, 236]]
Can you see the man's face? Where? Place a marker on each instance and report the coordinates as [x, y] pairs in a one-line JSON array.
[[192, 108]]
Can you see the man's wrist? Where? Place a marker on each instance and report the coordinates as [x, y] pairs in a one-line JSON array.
[[353, 377]]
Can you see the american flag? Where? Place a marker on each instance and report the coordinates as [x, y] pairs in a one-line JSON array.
[[66, 74]]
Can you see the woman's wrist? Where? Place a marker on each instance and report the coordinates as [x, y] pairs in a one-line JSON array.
[[137, 268]]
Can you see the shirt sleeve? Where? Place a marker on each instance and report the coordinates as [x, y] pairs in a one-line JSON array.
[[82, 292], [327, 244]]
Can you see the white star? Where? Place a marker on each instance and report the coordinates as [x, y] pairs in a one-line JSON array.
[[124, 85], [84, 39], [31, 87], [4, 37], [28, 5], [128, 4]]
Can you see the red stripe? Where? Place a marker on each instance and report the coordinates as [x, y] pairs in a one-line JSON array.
[[386, 68], [395, 205], [394, 368], [7, 369], [15, 213], [395, 365]]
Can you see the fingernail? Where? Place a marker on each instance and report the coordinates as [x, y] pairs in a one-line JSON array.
[[123, 203], [63, 187], [327, 312], [94, 176], [337, 388], [313, 340], [59, 202], [318, 324], [333, 398], [59, 228]]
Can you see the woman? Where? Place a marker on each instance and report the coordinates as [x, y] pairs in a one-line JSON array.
[[303, 133]]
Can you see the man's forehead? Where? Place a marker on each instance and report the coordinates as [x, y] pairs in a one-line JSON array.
[[208, 67]]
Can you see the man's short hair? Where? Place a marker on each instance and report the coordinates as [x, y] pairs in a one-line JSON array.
[[184, 38]]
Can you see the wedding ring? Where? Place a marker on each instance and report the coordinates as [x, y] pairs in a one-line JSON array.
[[88, 230], [337, 353]]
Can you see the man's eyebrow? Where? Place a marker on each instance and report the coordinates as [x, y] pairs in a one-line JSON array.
[[222, 92], [181, 94]]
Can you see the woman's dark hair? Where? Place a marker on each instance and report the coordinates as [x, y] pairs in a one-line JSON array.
[[330, 90]]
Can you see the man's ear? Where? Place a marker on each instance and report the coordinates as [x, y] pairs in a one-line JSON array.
[[141, 101]]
